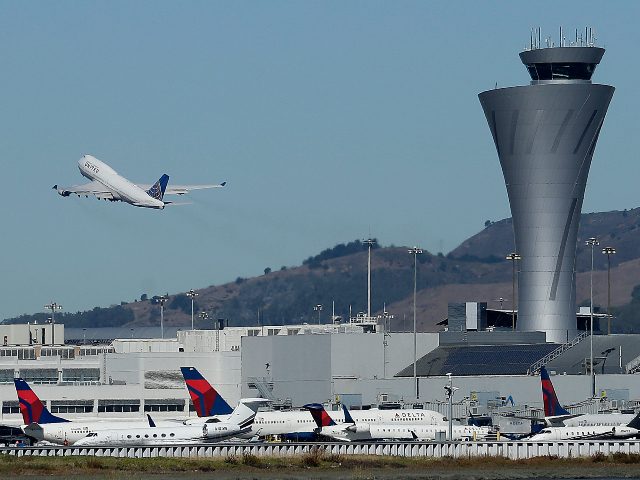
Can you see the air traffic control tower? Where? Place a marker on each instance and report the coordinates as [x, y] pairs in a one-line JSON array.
[[545, 134]]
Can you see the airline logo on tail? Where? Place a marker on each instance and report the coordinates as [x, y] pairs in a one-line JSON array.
[[552, 407], [158, 188], [31, 407], [320, 415], [205, 398]]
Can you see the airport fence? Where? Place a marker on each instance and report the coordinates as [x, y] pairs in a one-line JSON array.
[[511, 450]]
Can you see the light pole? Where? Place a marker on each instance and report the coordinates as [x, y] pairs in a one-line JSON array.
[[53, 306], [370, 242], [162, 299], [415, 251], [513, 256], [192, 294], [608, 251], [84, 336], [592, 242], [450, 390], [318, 308]]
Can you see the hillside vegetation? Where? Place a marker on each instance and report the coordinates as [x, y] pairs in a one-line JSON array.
[[474, 271]]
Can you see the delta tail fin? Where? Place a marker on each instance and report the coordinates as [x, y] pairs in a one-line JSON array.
[[158, 188], [31, 407], [207, 401], [320, 415], [552, 407]]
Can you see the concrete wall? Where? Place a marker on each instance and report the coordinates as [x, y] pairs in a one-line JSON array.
[[316, 368]]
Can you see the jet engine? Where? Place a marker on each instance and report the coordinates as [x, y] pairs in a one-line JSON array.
[[359, 428], [60, 191]]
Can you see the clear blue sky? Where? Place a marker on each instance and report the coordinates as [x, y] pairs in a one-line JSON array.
[[331, 121]]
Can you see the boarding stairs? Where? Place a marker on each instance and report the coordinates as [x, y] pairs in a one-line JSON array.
[[534, 369], [633, 366]]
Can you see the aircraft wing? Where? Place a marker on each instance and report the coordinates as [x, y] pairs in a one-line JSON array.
[[94, 188], [182, 189]]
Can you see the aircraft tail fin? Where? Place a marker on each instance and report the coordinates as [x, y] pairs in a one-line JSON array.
[[152, 424], [158, 188], [635, 423], [245, 412], [347, 416], [320, 415], [552, 406], [207, 401], [31, 407]]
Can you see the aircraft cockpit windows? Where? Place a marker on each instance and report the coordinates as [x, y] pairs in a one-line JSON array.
[[213, 420], [546, 431], [92, 434]]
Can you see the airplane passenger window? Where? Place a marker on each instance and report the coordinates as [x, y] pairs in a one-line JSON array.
[[164, 435], [172, 435], [146, 436], [128, 436], [155, 435]]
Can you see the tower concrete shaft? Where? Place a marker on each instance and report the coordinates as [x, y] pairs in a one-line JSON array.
[[545, 134]]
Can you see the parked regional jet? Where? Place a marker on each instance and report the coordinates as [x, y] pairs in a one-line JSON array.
[[239, 422], [351, 430], [40, 424], [299, 424], [107, 184], [588, 432], [555, 415]]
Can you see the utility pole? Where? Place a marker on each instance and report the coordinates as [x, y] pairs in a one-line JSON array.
[[592, 242], [415, 251], [608, 251], [370, 242]]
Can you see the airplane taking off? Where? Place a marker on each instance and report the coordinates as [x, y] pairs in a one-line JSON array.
[[107, 184]]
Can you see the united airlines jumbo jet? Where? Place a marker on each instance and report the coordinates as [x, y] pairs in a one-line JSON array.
[[107, 184]]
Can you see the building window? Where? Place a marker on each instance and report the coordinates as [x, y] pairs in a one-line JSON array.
[[71, 406], [10, 407], [118, 406], [164, 405]]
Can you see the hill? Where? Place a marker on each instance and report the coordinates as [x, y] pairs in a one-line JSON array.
[[475, 270]]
